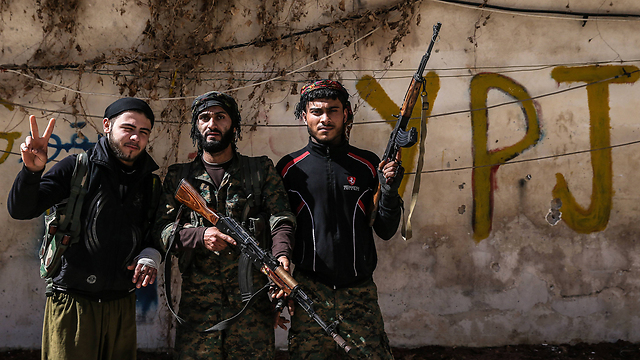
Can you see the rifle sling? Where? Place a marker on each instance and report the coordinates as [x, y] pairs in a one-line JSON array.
[[407, 232], [79, 180], [168, 267], [224, 324]]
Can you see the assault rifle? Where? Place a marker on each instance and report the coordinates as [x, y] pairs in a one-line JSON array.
[[261, 259], [400, 136]]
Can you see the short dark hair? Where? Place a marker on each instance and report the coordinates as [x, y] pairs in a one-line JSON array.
[[323, 89], [129, 104]]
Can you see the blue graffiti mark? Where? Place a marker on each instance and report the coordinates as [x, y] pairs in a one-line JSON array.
[[146, 299], [73, 143]]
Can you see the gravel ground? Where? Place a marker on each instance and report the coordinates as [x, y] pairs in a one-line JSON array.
[[601, 351]]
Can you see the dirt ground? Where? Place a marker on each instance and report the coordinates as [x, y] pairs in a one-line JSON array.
[[602, 351]]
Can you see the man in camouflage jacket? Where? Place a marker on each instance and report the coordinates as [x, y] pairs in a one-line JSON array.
[[210, 289]]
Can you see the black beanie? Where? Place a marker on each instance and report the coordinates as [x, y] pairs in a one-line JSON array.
[[126, 104]]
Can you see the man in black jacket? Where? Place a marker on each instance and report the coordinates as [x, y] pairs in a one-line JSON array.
[[90, 308], [331, 185]]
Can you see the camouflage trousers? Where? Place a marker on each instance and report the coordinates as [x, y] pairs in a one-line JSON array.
[[210, 294], [361, 325]]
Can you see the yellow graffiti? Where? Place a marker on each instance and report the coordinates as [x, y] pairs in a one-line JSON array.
[[596, 217], [6, 104], [373, 93], [10, 137], [485, 161]]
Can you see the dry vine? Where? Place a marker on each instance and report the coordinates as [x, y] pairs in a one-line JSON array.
[[184, 42]]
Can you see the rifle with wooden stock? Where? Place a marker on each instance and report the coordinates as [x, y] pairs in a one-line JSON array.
[[261, 259], [400, 136]]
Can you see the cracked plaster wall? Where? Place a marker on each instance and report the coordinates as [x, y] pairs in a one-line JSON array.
[[525, 281]]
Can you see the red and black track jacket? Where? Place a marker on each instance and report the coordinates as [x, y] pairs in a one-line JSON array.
[[330, 190]]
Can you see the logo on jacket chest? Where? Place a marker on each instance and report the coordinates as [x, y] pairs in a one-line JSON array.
[[352, 181]]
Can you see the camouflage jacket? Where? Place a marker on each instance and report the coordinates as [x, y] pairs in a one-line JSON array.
[[230, 199]]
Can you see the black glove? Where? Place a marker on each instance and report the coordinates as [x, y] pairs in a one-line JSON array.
[[394, 185]]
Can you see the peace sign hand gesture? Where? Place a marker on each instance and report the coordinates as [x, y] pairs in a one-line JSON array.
[[34, 147]]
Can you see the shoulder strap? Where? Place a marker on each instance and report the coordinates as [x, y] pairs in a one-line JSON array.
[[252, 180], [156, 193], [252, 177], [70, 220], [184, 173]]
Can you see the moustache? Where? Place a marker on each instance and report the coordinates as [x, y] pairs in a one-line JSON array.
[[132, 145], [212, 132]]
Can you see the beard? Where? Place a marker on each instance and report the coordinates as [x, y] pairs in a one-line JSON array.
[[216, 146], [117, 150]]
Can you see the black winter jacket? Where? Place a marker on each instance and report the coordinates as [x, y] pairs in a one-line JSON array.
[[116, 218], [330, 190]]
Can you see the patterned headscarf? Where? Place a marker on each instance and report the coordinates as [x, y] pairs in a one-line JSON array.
[[318, 89], [214, 98]]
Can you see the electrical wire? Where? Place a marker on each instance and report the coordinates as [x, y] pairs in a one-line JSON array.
[[409, 71], [455, 112], [194, 96], [547, 14]]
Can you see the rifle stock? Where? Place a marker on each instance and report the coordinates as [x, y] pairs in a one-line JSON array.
[[189, 196], [264, 261]]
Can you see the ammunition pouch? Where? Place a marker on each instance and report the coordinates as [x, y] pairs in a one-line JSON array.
[[54, 244], [62, 222]]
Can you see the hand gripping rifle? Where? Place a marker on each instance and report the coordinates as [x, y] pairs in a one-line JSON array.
[[262, 260], [400, 136]]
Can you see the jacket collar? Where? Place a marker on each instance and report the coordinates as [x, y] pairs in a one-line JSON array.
[[103, 155], [326, 150]]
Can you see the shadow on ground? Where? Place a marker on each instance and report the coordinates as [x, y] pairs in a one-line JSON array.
[[601, 351]]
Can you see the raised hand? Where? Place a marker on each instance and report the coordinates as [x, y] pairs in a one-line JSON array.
[[34, 147]]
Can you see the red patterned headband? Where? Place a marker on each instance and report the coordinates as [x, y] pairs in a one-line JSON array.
[[320, 84], [329, 84]]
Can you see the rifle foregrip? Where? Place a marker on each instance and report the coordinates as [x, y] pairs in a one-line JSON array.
[[411, 97], [287, 279]]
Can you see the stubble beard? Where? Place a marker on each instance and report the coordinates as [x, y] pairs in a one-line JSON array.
[[117, 150], [334, 141]]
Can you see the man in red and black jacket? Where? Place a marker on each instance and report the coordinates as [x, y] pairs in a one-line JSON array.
[[331, 186]]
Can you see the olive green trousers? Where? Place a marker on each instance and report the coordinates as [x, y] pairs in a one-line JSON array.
[[77, 328]]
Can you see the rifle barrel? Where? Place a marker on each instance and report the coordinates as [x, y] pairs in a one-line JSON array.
[[427, 55]]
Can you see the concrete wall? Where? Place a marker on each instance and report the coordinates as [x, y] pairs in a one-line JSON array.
[[554, 136]]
